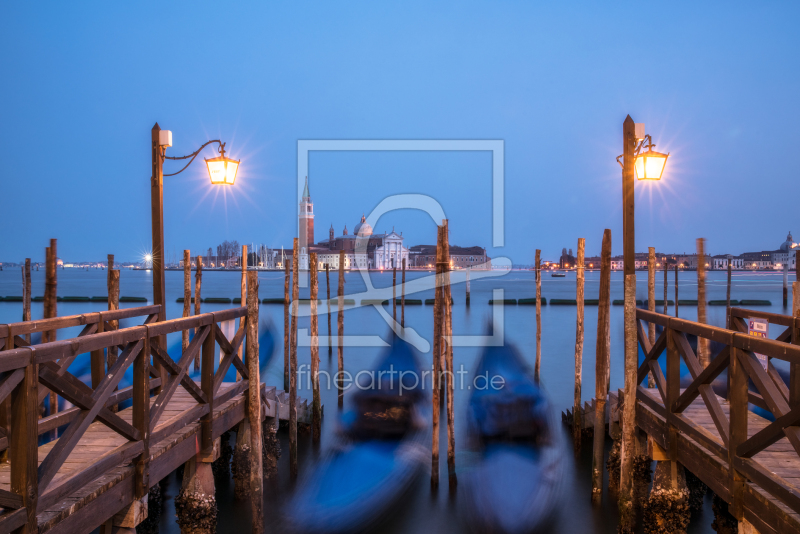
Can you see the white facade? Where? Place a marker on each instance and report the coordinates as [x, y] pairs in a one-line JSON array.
[[392, 253]]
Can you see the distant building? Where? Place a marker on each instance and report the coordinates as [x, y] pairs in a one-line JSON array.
[[424, 256]]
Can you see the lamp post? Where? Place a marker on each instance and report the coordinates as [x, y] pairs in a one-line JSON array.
[[648, 165], [221, 170]]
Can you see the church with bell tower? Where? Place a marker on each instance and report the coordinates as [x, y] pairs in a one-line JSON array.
[[306, 220]]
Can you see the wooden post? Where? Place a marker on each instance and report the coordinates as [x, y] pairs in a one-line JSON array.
[[157, 233], [293, 361], [435, 379], [50, 289], [394, 290], [254, 402], [538, 364], [728, 294], [198, 283], [26, 301], [676, 289], [651, 303], [141, 415], [316, 411], [286, 326], [579, 297], [628, 450], [22, 445], [244, 297], [702, 343], [785, 283], [448, 345], [468, 271], [113, 304], [602, 367], [187, 295], [340, 329], [328, 288], [438, 331], [403, 298], [737, 398], [627, 517], [666, 285]]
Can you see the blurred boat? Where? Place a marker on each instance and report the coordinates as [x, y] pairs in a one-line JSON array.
[[383, 441], [557, 274], [516, 486]]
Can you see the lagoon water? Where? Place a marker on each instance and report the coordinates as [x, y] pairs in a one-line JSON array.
[[422, 510]]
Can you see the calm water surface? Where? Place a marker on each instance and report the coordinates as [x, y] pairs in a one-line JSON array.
[[422, 510]]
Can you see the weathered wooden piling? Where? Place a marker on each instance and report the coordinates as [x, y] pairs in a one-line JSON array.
[[293, 361], [447, 342], [785, 283], [316, 410], [286, 326], [113, 304], [602, 367], [340, 331], [328, 288], [198, 285], [196, 502], [435, 402], [728, 295], [467, 300], [26, 295], [254, 404], [538, 276], [403, 298], [438, 353], [579, 298], [628, 450], [676, 289], [50, 288], [667, 509], [244, 298], [666, 284], [651, 303], [394, 291], [702, 343], [187, 294]]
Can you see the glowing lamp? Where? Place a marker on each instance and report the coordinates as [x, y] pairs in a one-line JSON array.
[[222, 170], [650, 165]]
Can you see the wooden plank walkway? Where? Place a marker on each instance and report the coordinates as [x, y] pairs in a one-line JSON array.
[[112, 490], [761, 507]]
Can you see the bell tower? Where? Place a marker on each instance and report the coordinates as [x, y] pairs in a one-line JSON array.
[[306, 219]]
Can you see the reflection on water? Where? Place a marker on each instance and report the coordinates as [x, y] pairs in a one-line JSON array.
[[422, 509]]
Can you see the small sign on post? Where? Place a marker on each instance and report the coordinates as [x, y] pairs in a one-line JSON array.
[[759, 328]]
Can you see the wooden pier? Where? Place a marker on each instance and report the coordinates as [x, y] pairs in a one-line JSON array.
[[749, 461], [100, 467]]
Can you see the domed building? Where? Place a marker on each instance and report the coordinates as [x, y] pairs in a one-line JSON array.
[[363, 249]]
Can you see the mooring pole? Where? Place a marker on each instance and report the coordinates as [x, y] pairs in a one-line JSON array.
[[328, 288], [187, 294], [728, 295], [340, 330], [579, 298], [651, 303], [435, 402], [538, 276], [286, 325], [602, 369], [403, 298], [468, 270], [243, 302], [26, 301], [293, 362], [254, 404], [666, 285], [702, 318], [676, 289], [316, 411], [627, 517], [394, 290], [157, 252], [198, 287], [447, 343], [785, 283]]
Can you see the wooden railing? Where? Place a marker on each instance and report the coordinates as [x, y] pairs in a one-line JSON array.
[[14, 336], [738, 356], [33, 487]]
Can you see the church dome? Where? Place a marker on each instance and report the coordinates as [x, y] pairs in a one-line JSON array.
[[787, 245], [362, 229]]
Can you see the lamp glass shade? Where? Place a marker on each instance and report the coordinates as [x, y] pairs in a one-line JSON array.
[[222, 170], [650, 165]]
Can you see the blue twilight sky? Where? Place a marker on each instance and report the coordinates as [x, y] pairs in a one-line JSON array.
[[716, 84]]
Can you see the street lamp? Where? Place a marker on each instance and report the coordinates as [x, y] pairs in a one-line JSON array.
[[221, 170], [647, 165]]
